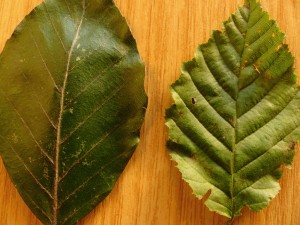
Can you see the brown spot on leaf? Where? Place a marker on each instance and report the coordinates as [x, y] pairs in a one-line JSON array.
[[193, 101], [291, 146], [268, 76]]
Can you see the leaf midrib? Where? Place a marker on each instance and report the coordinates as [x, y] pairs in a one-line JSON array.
[[232, 163], [59, 126]]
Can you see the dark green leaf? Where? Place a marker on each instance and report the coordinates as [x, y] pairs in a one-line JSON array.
[[236, 116], [72, 102]]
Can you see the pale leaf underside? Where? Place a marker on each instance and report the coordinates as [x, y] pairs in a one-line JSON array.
[[72, 102], [236, 116]]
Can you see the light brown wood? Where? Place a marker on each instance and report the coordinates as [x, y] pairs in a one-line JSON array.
[[150, 191]]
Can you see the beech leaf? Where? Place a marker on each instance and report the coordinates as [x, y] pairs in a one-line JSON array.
[[72, 102], [236, 117]]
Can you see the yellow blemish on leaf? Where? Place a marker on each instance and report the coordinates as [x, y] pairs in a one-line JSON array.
[[81, 149], [256, 68], [86, 163], [278, 48], [46, 173], [14, 138]]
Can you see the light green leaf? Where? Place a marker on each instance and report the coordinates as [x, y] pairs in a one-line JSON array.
[[236, 116], [72, 102]]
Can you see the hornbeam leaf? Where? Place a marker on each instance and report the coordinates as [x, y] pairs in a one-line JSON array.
[[236, 116], [72, 102]]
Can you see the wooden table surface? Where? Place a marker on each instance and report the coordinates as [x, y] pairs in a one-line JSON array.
[[150, 191]]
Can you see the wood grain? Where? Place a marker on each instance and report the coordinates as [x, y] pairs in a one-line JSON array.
[[150, 191]]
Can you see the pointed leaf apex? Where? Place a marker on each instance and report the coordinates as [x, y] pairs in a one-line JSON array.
[[249, 3]]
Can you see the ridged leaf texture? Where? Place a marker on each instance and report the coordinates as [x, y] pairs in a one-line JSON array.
[[236, 116], [72, 102]]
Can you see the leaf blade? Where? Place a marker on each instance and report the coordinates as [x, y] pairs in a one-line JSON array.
[[64, 107], [246, 74]]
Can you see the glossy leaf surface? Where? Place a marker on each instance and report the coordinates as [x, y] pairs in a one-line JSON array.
[[236, 116], [72, 102]]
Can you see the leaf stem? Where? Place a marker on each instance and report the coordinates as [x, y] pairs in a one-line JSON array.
[[230, 222]]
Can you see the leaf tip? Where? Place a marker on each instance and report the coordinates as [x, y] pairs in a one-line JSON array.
[[249, 3]]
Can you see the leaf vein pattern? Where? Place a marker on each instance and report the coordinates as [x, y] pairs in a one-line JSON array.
[[260, 18], [270, 119], [233, 21], [88, 55], [261, 75], [102, 138], [210, 71], [93, 113], [77, 189], [255, 8], [90, 178], [193, 142], [68, 7], [44, 62], [260, 188], [233, 158], [29, 171], [40, 104], [195, 116], [70, 12], [54, 28], [29, 130], [85, 58], [242, 14], [258, 179], [265, 95], [261, 36], [223, 59], [92, 81], [58, 135], [252, 161], [195, 169], [199, 91], [233, 42], [37, 206]]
